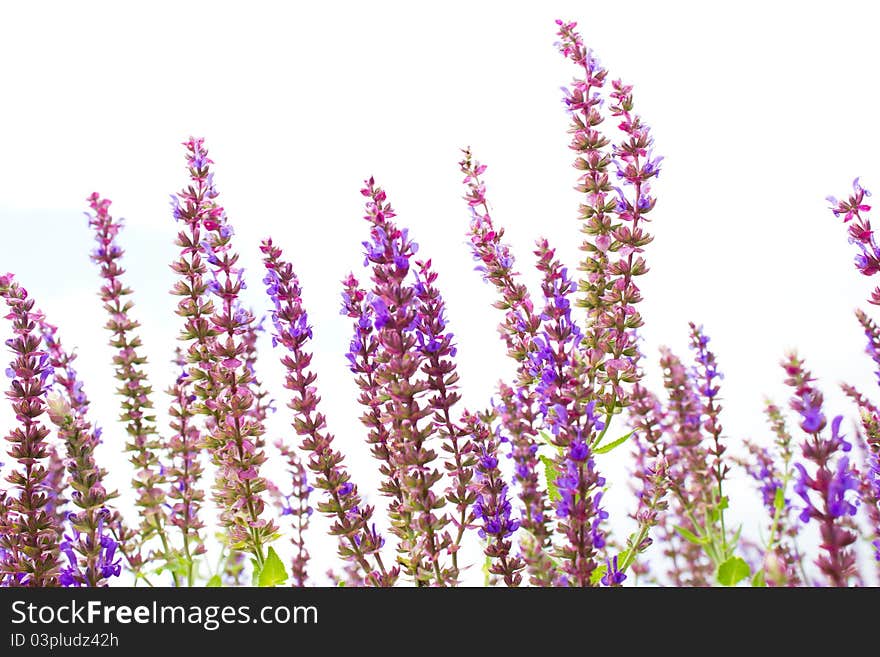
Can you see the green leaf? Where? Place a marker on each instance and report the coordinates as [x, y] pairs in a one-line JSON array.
[[779, 500], [214, 582], [273, 572], [758, 579], [732, 571], [597, 575], [255, 581], [717, 511], [551, 474], [736, 535], [604, 449], [690, 536]]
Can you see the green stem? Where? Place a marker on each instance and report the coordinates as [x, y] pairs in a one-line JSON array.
[[608, 415]]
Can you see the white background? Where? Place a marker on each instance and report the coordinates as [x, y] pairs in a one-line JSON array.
[[760, 109]]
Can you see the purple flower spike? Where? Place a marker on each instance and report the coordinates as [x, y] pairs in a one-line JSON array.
[[492, 505], [29, 536], [217, 327], [824, 491], [144, 445], [342, 500], [613, 575], [861, 233]]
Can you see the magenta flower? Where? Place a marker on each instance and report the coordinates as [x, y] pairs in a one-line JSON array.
[[861, 233]]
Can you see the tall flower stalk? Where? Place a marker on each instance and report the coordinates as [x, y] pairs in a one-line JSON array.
[[825, 489], [185, 469], [397, 319], [437, 347], [613, 219], [81, 439], [296, 505], [517, 408], [144, 445], [29, 540], [774, 472], [220, 377], [492, 508], [352, 519], [362, 358], [89, 546]]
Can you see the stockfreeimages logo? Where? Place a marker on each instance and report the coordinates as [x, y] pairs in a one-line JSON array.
[[209, 617]]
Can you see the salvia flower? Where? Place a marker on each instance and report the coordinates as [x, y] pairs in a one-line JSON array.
[[184, 473], [69, 399], [492, 507], [855, 209], [516, 412], [352, 518], [613, 576], [296, 505], [397, 311], [99, 561], [519, 330], [438, 350], [825, 490], [29, 539], [91, 525], [221, 379], [650, 483], [566, 401], [691, 478], [614, 236], [362, 358], [496, 263], [144, 444]]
